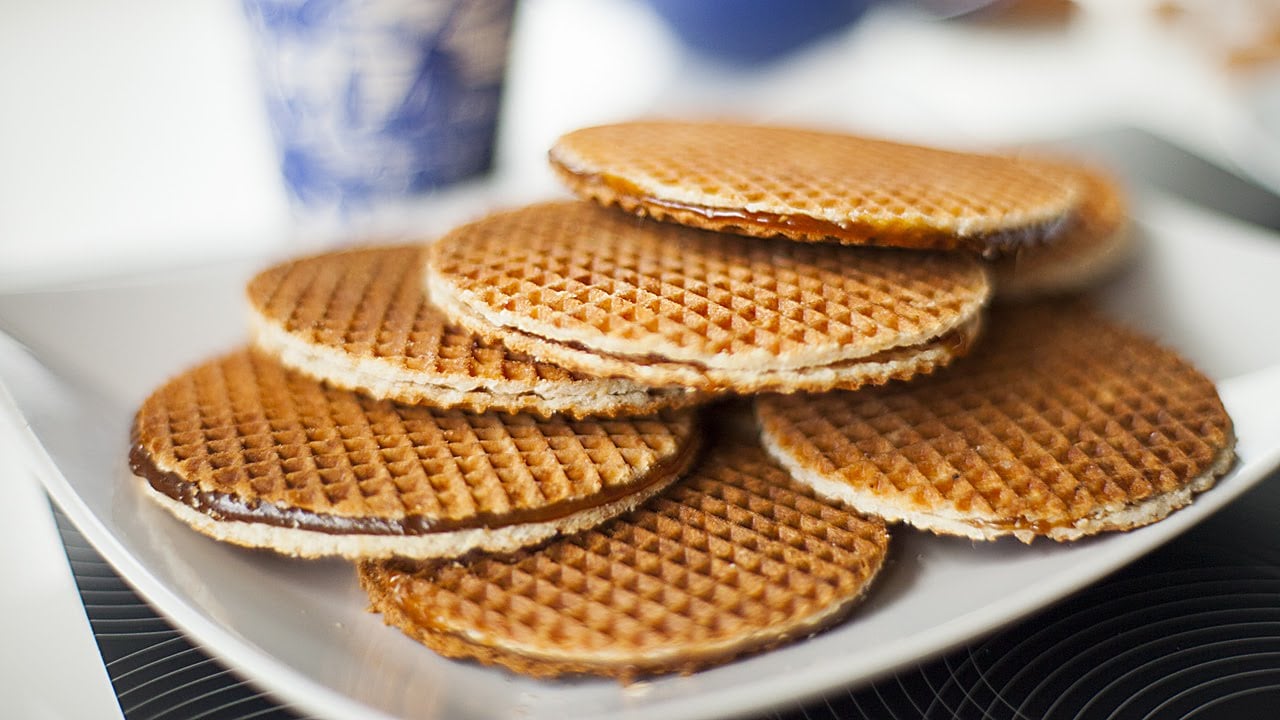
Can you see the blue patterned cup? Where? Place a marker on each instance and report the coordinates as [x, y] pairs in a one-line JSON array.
[[375, 101]]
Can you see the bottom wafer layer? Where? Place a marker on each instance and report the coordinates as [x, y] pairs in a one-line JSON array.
[[960, 524], [301, 543], [901, 363], [734, 559]]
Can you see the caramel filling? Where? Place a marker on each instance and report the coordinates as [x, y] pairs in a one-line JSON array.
[[959, 341], [229, 507], [891, 234]]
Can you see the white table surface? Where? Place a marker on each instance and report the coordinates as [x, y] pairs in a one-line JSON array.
[[50, 667]]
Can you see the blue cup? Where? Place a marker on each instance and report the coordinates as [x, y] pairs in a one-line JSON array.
[[375, 101], [753, 32]]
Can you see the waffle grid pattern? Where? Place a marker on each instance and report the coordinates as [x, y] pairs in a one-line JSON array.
[[370, 303], [889, 193], [245, 426], [1057, 417], [574, 273], [732, 558]]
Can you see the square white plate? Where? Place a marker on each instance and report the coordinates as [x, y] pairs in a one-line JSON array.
[[1204, 285]]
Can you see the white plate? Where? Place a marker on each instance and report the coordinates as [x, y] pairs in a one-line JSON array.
[[1205, 286]]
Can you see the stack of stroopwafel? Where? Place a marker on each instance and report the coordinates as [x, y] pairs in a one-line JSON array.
[[502, 426]]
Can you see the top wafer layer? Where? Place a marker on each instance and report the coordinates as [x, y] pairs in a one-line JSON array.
[[807, 185], [584, 276], [735, 558], [1060, 424], [359, 320]]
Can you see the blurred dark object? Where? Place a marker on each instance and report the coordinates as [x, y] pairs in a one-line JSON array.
[[1144, 158], [749, 32]]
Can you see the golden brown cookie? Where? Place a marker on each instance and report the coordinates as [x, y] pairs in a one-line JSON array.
[[1096, 242], [605, 293], [734, 559], [249, 452], [1060, 424], [816, 186], [359, 320]]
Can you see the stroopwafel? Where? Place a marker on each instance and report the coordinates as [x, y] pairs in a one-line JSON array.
[[249, 452], [1096, 242], [358, 319], [605, 293], [1060, 424], [735, 558], [816, 186]]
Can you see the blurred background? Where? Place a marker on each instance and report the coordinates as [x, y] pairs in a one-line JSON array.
[[134, 133]]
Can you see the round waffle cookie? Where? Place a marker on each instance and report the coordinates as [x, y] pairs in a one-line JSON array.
[[359, 320], [1060, 424], [1095, 243], [734, 559], [605, 293], [249, 452], [816, 186]]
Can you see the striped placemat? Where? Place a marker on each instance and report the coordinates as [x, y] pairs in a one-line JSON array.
[[1190, 631]]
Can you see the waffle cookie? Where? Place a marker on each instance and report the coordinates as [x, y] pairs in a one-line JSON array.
[[359, 320], [249, 452], [1060, 424], [604, 293], [816, 186], [1096, 242], [736, 558]]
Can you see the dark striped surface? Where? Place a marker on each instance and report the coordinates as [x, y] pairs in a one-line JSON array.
[[1191, 631], [156, 672]]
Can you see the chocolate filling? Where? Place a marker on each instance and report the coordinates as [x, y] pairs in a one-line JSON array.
[[228, 507]]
